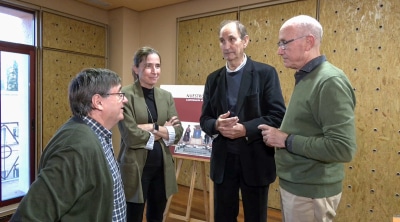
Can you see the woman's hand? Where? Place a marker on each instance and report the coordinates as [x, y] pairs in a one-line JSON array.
[[174, 121], [146, 127]]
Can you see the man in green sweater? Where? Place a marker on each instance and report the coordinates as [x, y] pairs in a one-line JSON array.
[[317, 134]]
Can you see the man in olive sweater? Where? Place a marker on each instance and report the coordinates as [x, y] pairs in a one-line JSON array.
[[317, 134]]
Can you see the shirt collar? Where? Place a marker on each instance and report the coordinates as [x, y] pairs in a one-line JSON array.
[[99, 129], [308, 67], [239, 67]]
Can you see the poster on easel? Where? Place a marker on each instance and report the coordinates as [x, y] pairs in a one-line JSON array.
[[188, 102]]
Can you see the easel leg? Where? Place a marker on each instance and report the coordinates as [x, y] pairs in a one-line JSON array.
[[211, 201], [178, 170], [192, 185], [205, 196], [208, 207]]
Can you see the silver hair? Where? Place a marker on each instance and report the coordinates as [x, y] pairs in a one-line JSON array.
[[306, 25]]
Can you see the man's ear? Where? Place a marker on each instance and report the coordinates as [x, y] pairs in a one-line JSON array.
[[97, 102], [246, 41], [310, 39]]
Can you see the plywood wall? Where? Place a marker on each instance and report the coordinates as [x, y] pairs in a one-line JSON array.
[[69, 46], [58, 70], [198, 48], [68, 34], [360, 37]]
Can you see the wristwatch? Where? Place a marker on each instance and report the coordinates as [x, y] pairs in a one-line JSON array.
[[155, 127]]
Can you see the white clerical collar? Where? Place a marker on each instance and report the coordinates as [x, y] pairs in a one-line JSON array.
[[239, 67]]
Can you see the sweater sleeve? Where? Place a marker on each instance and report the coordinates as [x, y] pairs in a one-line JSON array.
[[333, 109], [60, 183]]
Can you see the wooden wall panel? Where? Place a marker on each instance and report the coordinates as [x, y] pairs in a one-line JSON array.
[[263, 26], [361, 38], [198, 48], [69, 45], [73, 35], [58, 70]]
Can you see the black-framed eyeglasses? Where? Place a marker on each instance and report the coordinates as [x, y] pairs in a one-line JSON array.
[[282, 44], [121, 95]]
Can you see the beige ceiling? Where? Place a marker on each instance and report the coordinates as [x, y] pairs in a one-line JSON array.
[[137, 5]]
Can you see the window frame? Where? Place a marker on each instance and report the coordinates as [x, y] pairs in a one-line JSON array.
[[31, 51]]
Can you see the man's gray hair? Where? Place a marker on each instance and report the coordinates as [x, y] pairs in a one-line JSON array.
[[306, 25]]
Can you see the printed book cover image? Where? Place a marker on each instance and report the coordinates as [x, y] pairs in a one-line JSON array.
[[188, 101]]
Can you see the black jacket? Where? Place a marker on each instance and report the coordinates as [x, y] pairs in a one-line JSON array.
[[260, 101]]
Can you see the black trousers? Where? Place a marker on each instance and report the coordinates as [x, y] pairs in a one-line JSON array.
[[226, 195], [154, 196]]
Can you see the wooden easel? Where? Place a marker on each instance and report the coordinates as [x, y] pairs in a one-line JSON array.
[[208, 198]]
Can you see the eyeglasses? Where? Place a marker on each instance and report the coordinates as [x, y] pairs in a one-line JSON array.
[[121, 95], [282, 44]]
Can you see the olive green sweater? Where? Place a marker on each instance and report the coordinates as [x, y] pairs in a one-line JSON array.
[[320, 116]]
